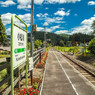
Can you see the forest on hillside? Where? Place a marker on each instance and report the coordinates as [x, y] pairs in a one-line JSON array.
[[56, 39]]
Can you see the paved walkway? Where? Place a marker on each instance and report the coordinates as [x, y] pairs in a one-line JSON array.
[[62, 79]]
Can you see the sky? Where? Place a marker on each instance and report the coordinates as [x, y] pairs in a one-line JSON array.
[[58, 16]]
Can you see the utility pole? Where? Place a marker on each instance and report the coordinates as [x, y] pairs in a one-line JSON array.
[[32, 22]]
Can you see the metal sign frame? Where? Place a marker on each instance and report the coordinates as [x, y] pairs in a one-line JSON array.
[[12, 68]]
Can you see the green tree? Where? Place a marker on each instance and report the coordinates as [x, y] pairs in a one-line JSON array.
[[61, 43], [68, 43], [91, 46], [93, 27], [47, 45], [2, 32], [37, 44], [28, 45], [80, 37]]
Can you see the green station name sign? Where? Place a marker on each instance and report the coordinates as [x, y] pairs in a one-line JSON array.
[[19, 50]]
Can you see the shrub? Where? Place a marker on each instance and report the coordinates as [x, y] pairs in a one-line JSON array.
[[29, 91], [40, 65], [91, 46], [35, 86]]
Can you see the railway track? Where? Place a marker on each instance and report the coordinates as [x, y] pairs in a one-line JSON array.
[[89, 75]]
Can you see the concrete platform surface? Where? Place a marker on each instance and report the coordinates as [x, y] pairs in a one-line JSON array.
[[62, 79]]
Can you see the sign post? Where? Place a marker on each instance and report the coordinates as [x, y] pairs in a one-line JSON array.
[[18, 48]]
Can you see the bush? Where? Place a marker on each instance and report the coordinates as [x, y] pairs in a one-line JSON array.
[[35, 86], [29, 91], [40, 65], [91, 46], [37, 44]]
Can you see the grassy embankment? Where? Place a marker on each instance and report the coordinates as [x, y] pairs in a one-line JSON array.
[[75, 51]]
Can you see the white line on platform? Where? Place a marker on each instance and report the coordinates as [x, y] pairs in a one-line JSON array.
[[77, 71], [43, 79], [66, 74]]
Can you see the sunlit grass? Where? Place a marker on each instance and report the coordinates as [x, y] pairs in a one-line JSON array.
[[3, 86], [70, 49], [3, 73], [3, 56]]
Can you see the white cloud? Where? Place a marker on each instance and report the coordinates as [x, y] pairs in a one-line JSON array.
[[45, 24], [88, 21], [85, 26], [55, 27], [52, 28], [91, 3], [53, 20], [26, 18], [39, 15], [81, 29], [26, 4], [48, 30], [38, 1], [62, 8], [50, 20], [62, 13], [40, 29], [59, 18], [45, 17], [7, 3], [61, 32], [61, 1], [6, 19], [42, 15]]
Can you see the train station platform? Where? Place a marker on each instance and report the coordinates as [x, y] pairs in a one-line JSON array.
[[62, 79]]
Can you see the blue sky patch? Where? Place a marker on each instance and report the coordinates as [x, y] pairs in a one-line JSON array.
[[59, 16]]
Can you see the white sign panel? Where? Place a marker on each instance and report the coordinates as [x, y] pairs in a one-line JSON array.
[[30, 64], [19, 46]]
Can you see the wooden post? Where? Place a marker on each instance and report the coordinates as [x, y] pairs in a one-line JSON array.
[[31, 72], [40, 57], [8, 59], [8, 71], [18, 75]]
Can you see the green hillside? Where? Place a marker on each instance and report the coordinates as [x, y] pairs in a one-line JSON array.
[[66, 36], [54, 37]]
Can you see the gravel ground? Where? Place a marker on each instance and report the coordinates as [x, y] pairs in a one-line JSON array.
[[89, 66]]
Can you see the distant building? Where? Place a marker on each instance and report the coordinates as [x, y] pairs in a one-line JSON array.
[[81, 44]]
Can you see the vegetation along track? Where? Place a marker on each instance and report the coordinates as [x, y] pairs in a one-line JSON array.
[[83, 70]]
